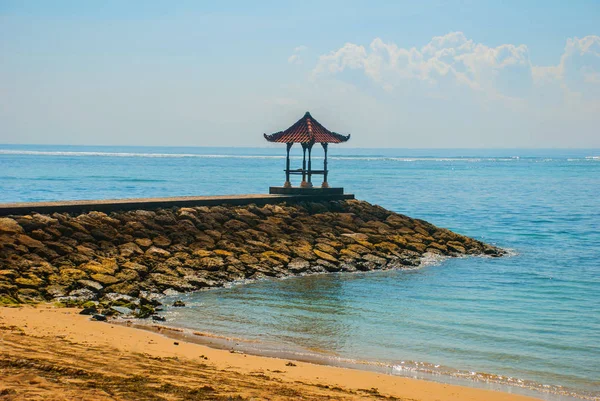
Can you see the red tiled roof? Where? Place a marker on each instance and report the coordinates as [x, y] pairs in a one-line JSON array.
[[307, 130]]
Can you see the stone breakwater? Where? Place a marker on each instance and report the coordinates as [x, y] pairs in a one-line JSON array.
[[124, 258]]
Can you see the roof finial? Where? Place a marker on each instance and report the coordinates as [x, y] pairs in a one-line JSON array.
[[307, 114]]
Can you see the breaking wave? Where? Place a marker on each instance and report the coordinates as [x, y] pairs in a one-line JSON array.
[[464, 159]]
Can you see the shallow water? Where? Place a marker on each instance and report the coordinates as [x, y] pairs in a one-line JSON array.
[[534, 316]]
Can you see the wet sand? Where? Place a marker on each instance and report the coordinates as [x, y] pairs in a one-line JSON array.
[[49, 353]]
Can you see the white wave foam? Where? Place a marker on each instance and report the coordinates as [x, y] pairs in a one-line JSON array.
[[131, 154], [432, 259], [297, 157]]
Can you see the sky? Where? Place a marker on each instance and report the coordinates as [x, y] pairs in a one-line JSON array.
[[394, 74]]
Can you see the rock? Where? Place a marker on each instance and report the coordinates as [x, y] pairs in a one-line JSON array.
[[325, 256], [121, 310], [55, 290], [349, 254], [247, 259], [212, 264], [99, 317], [105, 266], [325, 247], [456, 247], [104, 279], [8, 274], [10, 226], [374, 259], [357, 236], [157, 318], [184, 249], [131, 288], [28, 241], [303, 251], [440, 247], [29, 295], [164, 282], [83, 294], [8, 300], [144, 242], [278, 257], [89, 311], [330, 267], [41, 235], [121, 299], [178, 304], [77, 297], [30, 281], [161, 241], [298, 265], [91, 285], [154, 251], [144, 312], [135, 266], [235, 225], [129, 249], [356, 248], [104, 233]]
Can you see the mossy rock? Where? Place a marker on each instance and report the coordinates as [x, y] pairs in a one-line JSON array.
[[29, 282], [325, 256], [357, 248], [7, 274], [89, 304], [247, 259], [348, 253], [277, 256], [386, 247], [212, 263], [202, 253], [127, 275], [416, 246], [7, 300], [303, 251], [222, 252], [106, 266], [325, 247], [135, 266], [29, 296], [69, 275], [131, 289], [104, 279], [144, 242], [145, 311]]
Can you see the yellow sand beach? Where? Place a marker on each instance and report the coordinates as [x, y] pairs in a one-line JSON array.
[[49, 353]]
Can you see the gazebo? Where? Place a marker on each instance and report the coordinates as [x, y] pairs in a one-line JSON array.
[[307, 131]]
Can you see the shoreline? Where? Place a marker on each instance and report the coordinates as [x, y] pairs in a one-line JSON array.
[[66, 328], [423, 372]]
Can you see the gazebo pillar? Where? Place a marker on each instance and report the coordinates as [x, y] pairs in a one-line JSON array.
[[304, 184], [310, 145], [288, 184], [325, 183]]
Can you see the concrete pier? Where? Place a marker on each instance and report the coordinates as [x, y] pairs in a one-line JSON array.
[[111, 205]]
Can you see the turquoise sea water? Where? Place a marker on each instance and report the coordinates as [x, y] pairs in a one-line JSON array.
[[531, 319]]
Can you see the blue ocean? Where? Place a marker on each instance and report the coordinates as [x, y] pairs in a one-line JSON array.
[[529, 321]]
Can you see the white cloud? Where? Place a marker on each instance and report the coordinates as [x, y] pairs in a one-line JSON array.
[[453, 60], [296, 57]]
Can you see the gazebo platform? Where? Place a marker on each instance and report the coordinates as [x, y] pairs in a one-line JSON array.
[[315, 191]]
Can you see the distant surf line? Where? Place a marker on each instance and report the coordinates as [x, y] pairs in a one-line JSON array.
[[280, 157]]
